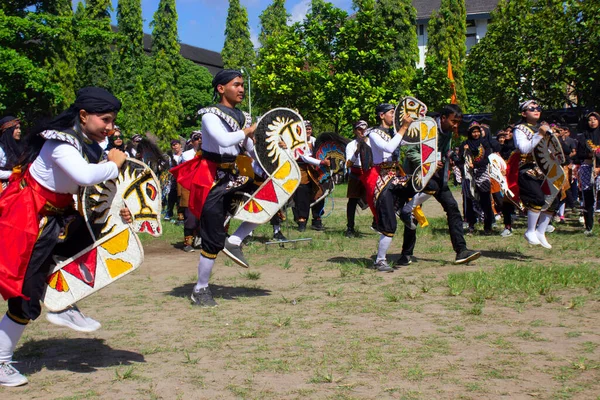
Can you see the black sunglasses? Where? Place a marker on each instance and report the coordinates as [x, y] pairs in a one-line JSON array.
[[538, 108]]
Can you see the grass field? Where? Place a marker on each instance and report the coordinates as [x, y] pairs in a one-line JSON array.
[[310, 320]]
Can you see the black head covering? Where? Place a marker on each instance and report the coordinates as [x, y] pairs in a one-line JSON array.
[[476, 146], [111, 140], [11, 147], [225, 76], [593, 134], [383, 108], [94, 100]]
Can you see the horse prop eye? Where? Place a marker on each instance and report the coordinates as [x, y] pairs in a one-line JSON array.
[[151, 191]]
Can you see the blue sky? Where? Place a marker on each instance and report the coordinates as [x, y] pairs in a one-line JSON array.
[[202, 22]]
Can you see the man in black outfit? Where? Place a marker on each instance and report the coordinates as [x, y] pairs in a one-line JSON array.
[[448, 120]]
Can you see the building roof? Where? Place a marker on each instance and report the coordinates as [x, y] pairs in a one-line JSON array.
[[207, 58], [426, 7]]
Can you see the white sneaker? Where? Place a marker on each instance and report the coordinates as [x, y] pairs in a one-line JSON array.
[[74, 319], [588, 232], [550, 229], [542, 238], [532, 238], [506, 232], [9, 376]]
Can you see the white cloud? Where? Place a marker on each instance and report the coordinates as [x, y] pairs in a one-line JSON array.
[[254, 38], [299, 11]]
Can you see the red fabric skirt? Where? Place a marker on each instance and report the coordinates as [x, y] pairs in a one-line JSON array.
[[22, 205], [198, 176]]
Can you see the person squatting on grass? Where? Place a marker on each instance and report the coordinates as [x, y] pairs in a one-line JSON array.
[[37, 216]]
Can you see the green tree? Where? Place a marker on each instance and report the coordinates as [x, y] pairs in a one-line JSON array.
[[446, 31], [129, 77], [95, 39], [166, 106], [238, 50], [195, 91], [524, 56], [273, 21], [34, 80]]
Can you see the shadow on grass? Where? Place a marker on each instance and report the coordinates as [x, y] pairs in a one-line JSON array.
[[83, 355], [224, 292], [507, 255], [352, 260]]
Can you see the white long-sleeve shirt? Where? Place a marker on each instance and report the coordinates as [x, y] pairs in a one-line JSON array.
[[524, 141], [382, 147], [307, 157], [351, 152], [219, 138], [62, 169]]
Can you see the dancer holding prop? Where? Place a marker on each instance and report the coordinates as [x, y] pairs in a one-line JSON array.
[[37, 218], [537, 167], [386, 184]]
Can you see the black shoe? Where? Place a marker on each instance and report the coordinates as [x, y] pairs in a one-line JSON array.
[[188, 249], [203, 298], [404, 260], [317, 225], [350, 233], [466, 256], [235, 253], [279, 236], [301, 226]]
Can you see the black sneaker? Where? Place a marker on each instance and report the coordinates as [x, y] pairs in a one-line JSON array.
[[466, 256], [235, 253], [301, 226], [350, 233], [404, 260], [317, 225], [203, 298], [279, 236], [382, 266], [188, 249]]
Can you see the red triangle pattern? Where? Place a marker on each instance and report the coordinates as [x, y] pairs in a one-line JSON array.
[[425, 152], [546, 188], [267, 193], [84, 268]]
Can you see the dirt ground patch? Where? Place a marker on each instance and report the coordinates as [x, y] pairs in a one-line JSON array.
[[310, 321]]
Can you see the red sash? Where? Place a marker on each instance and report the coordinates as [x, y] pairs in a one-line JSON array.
[[512, 175], [369, 179], [22, 205], [198, 176]]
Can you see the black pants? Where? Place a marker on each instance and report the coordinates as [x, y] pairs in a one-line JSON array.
[[172, 199], [508, 209], [531, 194], [302, 199], [191, 225], [588, 208], [485, 202], [351, 212], [391, 198], [214, 212], [51, 241], [443, 196]]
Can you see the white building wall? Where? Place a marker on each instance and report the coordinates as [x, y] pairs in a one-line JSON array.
[[474, 34]]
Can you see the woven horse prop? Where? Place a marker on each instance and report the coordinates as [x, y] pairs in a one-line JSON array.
[[116, 250], [283, 174], [423, 132]]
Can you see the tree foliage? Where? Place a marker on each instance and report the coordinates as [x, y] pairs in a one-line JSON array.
[[446, 31], [273, 21], [94, 41], [195, 91], [166, 106], [238, 50], [548, 52], [334, 68]]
